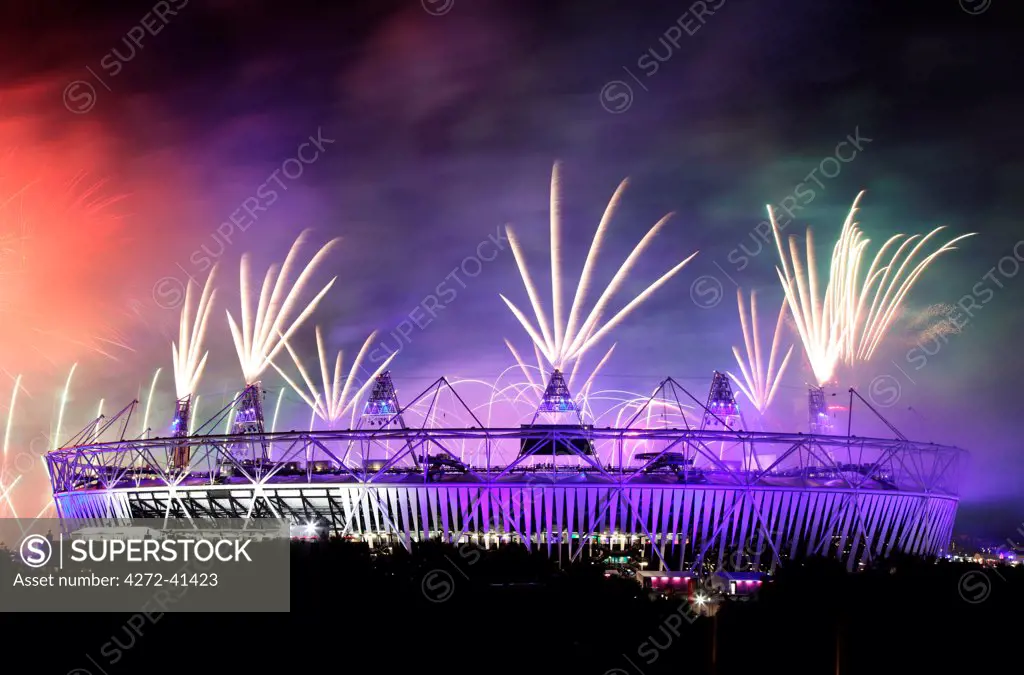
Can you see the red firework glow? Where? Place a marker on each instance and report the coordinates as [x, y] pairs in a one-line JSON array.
[[62, 251], [55, 229]]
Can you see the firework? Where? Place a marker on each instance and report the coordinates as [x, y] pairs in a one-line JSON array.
[[277, 410], [568, 341], [589, 382], [10, 416], [99, 419], [759, 385], [849, 320], [188, 357], [149, 402], [819, 328], [335, 400], [885, 286], [524, 368], [194, 414], [5, 490], [262, 333], [230, 418], [59, 248], [63, 404]]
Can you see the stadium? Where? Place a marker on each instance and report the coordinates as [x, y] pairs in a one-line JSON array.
[[684, 495], [684, 480]]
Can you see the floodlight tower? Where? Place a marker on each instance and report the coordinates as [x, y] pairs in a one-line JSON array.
[[721, 406], [817, 412], [181, 453], [557, 400], [249, 420], [382, 411], [249, 410], [382, 405]]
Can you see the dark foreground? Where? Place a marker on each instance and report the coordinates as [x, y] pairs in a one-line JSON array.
[[445, 609]]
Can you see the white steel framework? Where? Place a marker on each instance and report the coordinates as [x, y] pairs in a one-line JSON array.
[[693, 494]]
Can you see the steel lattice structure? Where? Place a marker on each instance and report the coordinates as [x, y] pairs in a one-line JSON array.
[[783, 493]]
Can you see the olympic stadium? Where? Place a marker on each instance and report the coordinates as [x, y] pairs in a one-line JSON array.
[[683, 478], [682, 494]]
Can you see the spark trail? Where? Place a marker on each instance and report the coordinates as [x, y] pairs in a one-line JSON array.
[[849, 320], [187, 353], [336, 398], [572, 337], [262, 333], [758, 384]]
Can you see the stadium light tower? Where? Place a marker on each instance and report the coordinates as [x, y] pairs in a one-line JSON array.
[[249, 420], [249, 415], [817, 412], [721, 405], [382, 405], [181, 454], [557, 400], [382, 410]]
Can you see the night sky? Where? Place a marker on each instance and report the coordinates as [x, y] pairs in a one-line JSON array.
[[439, 122]]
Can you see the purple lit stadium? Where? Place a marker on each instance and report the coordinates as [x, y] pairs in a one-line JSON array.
[[684, 479], [679, 492]]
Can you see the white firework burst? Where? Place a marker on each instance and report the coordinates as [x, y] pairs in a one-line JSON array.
[[759, 384], [187, 353], [560, 341], [263, 332], [849, 320], [337, 396]]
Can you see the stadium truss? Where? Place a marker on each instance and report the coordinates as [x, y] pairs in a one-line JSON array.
[[687, 496]]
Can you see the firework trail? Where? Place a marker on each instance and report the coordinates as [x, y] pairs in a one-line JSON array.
[[849, 320], [273, 424], [277, 410], [58, 239], [758, 384], [262, 333], [331, 404], [99, 416], [195, 414], [56, 433], [149, 402], [589, 382], [571, 338], [5, 490], [10, 416], [885, 286], [231, 414], [187, 353], [629, 405], [820, 330], [55, 438]]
